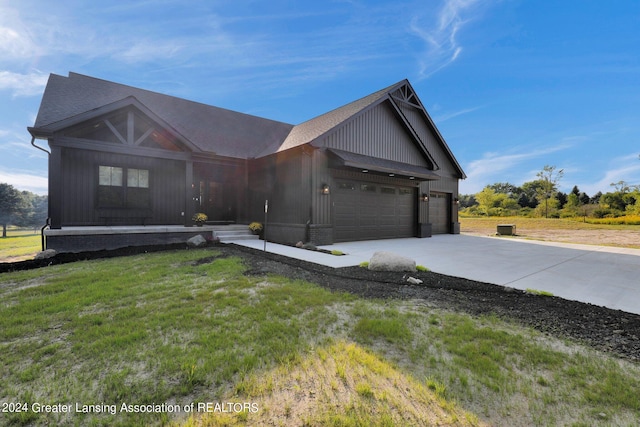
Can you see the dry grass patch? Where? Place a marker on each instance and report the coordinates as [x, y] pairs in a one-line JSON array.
[[342, 384], [557, 230]]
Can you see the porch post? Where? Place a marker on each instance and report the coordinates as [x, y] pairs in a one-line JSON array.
[[55, 186], [188, 194]]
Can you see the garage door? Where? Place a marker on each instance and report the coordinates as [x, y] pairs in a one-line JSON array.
[[366, 211], [439, 213]]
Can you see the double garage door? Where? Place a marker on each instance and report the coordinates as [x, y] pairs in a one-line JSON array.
[[369, 211]]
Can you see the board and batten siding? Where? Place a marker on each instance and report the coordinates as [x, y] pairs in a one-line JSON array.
[[426, 134], [79, 187], [284, 179], [377, 133]]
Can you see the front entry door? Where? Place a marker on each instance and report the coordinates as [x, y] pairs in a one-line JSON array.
[[212, 199]]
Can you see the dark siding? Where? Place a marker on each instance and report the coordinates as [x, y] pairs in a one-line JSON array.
[[321, 174], [377, 133], [80, 185], [285, 180], [433, 146]]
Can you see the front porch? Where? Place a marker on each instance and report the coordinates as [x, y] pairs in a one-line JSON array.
[[95, 238]]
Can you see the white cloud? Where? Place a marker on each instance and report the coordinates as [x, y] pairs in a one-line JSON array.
[[25, 180], [16, 41], [447, 116], [497, 167], [624, 168], [23, 84], [441, 44]]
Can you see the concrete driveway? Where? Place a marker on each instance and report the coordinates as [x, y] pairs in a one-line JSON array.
[[598, 275]]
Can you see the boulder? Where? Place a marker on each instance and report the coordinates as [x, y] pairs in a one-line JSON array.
[[49, 253], [388, 261], [414, 281], [196, 241]]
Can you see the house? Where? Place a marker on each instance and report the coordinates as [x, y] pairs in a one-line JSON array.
[[122, 156]]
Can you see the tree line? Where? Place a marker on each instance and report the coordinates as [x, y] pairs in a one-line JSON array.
[[21, 208], [542, 198]]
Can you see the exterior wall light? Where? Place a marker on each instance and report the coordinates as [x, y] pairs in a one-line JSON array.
[[325, 189], [456, 201], [424, 197]]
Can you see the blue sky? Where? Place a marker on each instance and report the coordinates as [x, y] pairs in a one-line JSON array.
[[512, 85]]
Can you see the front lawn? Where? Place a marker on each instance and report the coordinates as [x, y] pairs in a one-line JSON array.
[[138, 340]]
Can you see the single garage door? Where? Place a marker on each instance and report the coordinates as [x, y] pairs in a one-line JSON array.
[[439, 205], [366, 211]]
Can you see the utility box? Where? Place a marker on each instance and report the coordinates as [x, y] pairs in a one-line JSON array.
[[506, 229]]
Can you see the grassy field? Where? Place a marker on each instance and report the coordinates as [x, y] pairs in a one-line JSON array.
[[185, 327], [19, 243], [545, 223]]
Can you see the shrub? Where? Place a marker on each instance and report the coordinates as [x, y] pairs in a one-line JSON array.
[[255, 227], [200, 217]]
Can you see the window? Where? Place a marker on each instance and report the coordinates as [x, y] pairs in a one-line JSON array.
[[367, 187], [137, 178], [111, 176], [112, 193], [346, 186], [387, 190]]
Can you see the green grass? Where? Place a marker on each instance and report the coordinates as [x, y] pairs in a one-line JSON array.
[[186, 327], [539, 292], [19, 243]]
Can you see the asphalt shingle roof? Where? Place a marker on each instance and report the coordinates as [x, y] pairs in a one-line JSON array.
[[212, 129]]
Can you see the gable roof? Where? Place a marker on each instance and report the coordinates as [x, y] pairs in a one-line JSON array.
[[312, 130], [211, 129], [207, 128]]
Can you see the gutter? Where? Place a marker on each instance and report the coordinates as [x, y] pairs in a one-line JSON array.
[[33, 142], [48, 221]]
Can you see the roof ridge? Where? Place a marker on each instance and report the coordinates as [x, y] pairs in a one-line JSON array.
[[313, 128]]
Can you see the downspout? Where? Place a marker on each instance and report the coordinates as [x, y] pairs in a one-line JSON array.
[[48, 221]]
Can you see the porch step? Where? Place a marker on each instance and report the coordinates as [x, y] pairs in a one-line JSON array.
[[228, 233]]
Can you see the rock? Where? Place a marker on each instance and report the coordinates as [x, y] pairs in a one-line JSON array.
[[414, 281], [310, 246], [49, 253], [196, 241], [388, 261], [299, 245]]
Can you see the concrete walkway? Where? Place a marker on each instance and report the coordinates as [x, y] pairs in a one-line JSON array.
[[598, 275]]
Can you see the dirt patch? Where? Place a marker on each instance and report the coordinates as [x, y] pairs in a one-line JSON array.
[[620, 238]]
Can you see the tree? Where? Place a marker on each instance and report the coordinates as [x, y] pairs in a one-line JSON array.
[[584, 198], [486, 199], [549, 178], [467, 200], [525, 202], [621, 187], [506, 188], [12, 204], [575, 190], [562, 199]]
